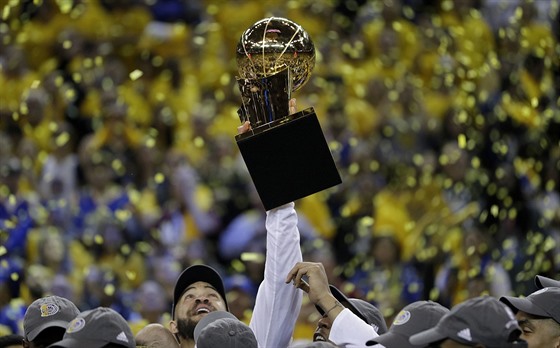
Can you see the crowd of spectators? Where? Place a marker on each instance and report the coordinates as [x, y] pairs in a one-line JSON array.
[[118, 165]]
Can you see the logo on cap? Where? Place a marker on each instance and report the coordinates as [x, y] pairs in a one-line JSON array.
[[48, 309], [122, 337], [402, 318], [76, 325], [465, 334]]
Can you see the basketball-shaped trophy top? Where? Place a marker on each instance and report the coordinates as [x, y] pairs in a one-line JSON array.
[[272, 45]]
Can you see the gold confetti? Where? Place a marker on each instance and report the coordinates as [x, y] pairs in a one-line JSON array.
[[136, 74], [130, 275], [109, 289], [252, 257]]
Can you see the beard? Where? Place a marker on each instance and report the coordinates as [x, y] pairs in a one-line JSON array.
[[186, 328]]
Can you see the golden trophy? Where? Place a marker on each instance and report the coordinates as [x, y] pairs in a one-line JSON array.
[[287, 155]]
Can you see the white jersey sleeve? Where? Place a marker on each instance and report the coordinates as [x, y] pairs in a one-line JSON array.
[[349, 331], [278, 304]]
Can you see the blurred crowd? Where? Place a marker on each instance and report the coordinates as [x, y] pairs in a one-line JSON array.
[[119, 168]]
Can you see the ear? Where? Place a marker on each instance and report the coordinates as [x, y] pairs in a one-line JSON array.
[[557, 342], [173, 327]]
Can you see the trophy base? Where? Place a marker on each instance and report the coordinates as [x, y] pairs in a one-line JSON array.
[[288, 159]]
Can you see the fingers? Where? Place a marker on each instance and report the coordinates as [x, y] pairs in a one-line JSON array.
[[292, 106], [296, 273], [298, 280], [300, 270], [304, 286], [311, 278], [244, 127]]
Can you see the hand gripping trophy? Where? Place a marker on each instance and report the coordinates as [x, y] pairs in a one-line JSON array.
[[286, 155]]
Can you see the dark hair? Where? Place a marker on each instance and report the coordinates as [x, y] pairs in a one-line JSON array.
[[49, 336], [113, 345], [10, 340]]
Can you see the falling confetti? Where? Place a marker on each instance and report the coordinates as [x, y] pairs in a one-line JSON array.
[[442, 120]]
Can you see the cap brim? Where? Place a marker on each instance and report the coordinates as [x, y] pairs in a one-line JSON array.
[[391, 339], [31, 335], [209, 319], [344, 301], [426, 337], [545, 282], [524, 305], [72, 342], [69, 342], [198, 273]]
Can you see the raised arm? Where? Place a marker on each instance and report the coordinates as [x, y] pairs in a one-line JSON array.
[[277, 306]]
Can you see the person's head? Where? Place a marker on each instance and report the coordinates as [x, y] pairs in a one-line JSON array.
[[52, 248], [386, 249], [34, 104], [11, 341], [539, 316], [198, 291], [63, 139], [46, 319], [151, 301], [222, 329], [363, 309], [456, 160], [412, 319], [477, 322], [240, 292], [101, 327], [155, 336]]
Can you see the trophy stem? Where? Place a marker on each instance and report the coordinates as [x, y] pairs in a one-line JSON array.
[[265, 99]]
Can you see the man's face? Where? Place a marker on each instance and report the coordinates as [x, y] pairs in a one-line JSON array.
[[538, 332], [199, 299], [323, 329]]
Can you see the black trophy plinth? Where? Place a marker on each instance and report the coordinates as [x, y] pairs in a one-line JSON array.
[[288, 158]]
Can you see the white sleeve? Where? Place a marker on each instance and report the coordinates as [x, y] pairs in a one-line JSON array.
[[349, 331], [277, 304]]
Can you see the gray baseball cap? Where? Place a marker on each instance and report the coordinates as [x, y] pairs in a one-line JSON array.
[[209, 319], [96, 328], [47, 312], [545, 282], [363, 309], [480, 320], [413, 318], [543, 303], [223, 329]]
